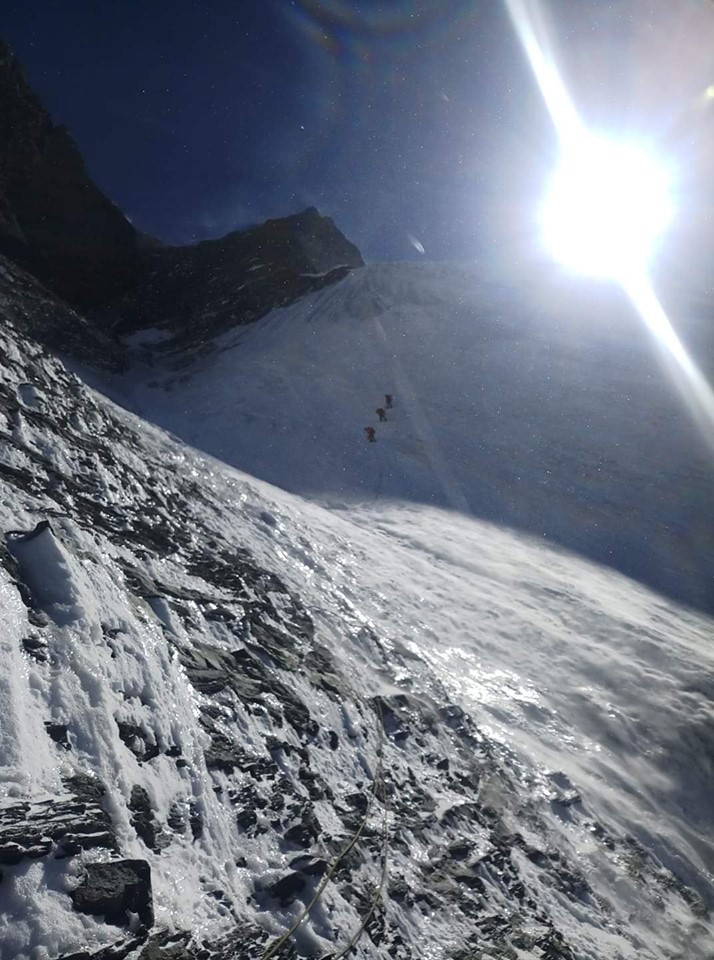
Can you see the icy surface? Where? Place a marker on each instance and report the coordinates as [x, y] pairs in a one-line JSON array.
[[523, 737]]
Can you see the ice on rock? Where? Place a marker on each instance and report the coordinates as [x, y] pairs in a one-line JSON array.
[[47, 570], [262, 695]]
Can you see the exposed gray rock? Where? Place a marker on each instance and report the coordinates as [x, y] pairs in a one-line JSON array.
[[115, 890], [177, 817], [36, 648], [288, 887], [137, 740], [115, 951], [143, 819], [42, 315], [306, 831], [212, 671], [62, 824], [195, 821], [310, 866], [58, 733]]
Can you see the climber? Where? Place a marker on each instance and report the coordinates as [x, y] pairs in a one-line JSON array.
[[370, 431], [381, 414], [388, 401]]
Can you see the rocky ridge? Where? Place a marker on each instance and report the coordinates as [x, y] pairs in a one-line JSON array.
[[193, 294], [56, 224]]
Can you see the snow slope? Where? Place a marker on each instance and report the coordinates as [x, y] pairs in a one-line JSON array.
[[541, 406], [523, 738]]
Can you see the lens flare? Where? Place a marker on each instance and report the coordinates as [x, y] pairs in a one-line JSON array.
[[607, 205], [622, 195]]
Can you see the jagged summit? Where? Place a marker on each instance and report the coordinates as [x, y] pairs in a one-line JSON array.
[[57, 224], [196, 292]]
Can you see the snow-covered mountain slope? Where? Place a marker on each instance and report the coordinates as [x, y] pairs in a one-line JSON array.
[[544, 407], [220, 702]]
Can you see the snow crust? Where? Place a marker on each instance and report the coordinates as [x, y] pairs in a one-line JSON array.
[[594, 695]]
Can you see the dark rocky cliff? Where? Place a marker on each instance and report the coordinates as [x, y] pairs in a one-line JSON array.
[[57, 225], [199, 291], [54, 220], [43, 316]]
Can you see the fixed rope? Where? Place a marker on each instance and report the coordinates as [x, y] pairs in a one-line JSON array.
[[378, 893], [273, 948]]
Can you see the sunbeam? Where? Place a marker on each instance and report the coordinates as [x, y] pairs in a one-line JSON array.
[[608, 234], [696, 392]]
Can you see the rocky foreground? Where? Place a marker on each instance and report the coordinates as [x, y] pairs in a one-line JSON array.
[[188, 766]]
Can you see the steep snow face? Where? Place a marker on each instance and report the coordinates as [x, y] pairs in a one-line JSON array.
[[537, 407], [461, 741]]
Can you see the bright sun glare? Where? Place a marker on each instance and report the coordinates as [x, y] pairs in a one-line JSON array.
[[607, 205]]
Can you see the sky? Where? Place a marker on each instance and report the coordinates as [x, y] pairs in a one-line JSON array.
[[413, 123]]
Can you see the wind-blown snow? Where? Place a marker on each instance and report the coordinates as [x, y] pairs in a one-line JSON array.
[[538, 407], [592, 696]]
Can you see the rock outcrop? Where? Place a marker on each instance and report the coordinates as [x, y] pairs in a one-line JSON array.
[[57, 224], [43, 316], [197, 292], [62, 825], [53, 219], [115, 891]]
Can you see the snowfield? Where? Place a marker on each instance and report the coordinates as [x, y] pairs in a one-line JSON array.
[[543, 406], [517, 740]]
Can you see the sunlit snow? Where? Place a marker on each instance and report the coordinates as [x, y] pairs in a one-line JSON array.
[[592, 694]]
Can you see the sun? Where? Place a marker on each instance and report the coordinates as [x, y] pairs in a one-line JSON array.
[[607, 205]]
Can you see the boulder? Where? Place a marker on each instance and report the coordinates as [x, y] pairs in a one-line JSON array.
[[116, 890], [73, 821]]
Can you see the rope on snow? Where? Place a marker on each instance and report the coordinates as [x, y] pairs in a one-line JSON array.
[[273, 948], [380, 889]]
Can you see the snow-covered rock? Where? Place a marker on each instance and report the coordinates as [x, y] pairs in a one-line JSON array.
[[391, 726]]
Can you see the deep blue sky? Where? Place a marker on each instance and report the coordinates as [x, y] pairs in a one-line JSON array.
[[396, 118], [197, 118]]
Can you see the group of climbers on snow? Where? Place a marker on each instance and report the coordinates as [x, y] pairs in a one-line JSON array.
[[382, 414]]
